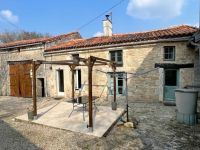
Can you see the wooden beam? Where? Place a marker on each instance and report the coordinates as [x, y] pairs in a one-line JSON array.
[[34, 89], [58, 62], [72, 68], [173, 65], [82, 59], [114, 82], [101, 59], [114, 123], [20, 62], [101, 62], [91, 62]]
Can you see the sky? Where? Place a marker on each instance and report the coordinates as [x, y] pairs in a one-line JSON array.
[[63, 16]]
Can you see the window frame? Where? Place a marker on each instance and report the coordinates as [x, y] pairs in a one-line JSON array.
[[165, 48], [111, 85], [116, 52]]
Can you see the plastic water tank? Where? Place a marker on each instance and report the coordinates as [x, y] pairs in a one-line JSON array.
[[186, 103]]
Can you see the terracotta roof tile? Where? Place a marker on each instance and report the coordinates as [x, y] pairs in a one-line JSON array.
[[34, 41], [172, 32]]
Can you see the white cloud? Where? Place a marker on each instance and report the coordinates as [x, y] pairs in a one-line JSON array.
[[150, 9], [98, 34], [9, 16]]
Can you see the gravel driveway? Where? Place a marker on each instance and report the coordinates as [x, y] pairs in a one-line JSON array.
[[157, 129]]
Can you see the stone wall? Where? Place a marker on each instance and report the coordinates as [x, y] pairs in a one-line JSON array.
[[3, 73], [136, 59], [26, 53], [197, 68]]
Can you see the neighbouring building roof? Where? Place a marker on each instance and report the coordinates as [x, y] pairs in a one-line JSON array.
[[172, 32], [38, 40]]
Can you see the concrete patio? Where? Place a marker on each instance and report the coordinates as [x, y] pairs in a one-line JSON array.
[[57, 116]]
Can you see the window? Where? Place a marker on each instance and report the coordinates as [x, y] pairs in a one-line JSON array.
[[169, 53], [77, 79], [117, 57], [120, 83]]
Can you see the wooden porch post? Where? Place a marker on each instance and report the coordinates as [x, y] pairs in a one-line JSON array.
[[114, 104], [72, 71], [34, 89], [114, 82], [91, 62]]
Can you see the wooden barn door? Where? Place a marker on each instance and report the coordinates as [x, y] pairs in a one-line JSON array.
[[25, 80], [14, 80], [20, 80]]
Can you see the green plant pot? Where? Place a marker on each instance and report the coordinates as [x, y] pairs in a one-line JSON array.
[[114, 106], [30, 115]]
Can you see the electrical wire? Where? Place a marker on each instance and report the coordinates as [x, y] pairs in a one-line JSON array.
[[10, 23], [143, 73], [98, 16], [133, 74]]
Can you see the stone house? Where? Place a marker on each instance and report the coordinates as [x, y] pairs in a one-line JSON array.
[[15, 80], [136, 53]]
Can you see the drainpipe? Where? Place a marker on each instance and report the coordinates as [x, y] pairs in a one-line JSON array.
[[198, 48], [127, 115], [45, 75], [0, 75]]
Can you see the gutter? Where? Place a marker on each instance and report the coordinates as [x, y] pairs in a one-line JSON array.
[[21, 45], [118, 45], [195, 44]]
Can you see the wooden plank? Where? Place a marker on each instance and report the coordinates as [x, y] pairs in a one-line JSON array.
[[102, 59], [114, 123], [14, 83], [114, 82], [66, 62], [20, 62], [27, 81], [173, 65], [90, 93], [34, 89]]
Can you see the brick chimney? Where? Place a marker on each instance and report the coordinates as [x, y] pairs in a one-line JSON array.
[[107, 26]]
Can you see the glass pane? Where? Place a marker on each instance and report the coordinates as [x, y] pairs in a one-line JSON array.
[[170, 56], [169, 52], [120, 82], [119, 54], [120, 75], [119, 58], [120, 90], [170, 77], [112, 56]]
